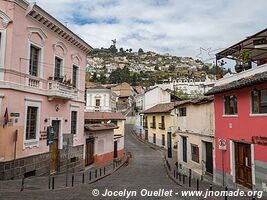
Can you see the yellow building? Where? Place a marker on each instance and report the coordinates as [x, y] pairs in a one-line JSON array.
[[157, 121]]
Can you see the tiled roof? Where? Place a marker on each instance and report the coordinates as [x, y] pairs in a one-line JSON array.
[[104, 115], [99, 127], [244, 82], [160, 108], [167, 107]]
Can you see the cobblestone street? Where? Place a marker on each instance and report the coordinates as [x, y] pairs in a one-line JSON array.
[[145, 171]]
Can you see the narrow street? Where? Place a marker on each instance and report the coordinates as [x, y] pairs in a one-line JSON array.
[[145, 171]]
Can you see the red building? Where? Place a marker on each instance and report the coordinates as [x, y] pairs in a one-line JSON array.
[[241, 116]]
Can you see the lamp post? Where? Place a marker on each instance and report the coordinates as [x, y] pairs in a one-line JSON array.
[[169, 142]]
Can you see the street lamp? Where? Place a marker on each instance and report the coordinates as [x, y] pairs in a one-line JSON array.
[[169, 142]]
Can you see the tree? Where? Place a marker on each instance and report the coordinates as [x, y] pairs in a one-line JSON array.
[[103, 79], [94, 77], [130, 50], [121, 50], [171, 68]]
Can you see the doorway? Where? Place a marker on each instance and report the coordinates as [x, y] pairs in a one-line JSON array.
[[146, 135], [54, 147], [209, 158], [115, 149], [184, 148], [89, 151], [243, 164]]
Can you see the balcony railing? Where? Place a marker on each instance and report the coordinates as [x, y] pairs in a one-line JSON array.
[[34, 82], [162, 126], [60, 90], [152, 125]]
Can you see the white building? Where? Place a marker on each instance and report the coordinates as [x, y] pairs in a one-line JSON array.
[[188, 86], [100, 99]]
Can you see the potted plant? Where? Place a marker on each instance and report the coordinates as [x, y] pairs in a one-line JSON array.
[[244, 61]]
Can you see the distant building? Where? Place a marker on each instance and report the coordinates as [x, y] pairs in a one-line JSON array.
[[100, 99], [104, 146]]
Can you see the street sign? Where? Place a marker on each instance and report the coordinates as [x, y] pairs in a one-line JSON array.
[[50, 135], [222, 144]]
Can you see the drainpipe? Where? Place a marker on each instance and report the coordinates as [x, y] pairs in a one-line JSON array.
[[15, 152]]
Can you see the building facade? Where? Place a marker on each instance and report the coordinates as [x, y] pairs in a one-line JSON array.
[[100, 99], [195, 137], [240, 118], [41, 85], [110, 141]]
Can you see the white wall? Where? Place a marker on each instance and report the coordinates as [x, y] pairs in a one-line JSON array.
[[156, 96]]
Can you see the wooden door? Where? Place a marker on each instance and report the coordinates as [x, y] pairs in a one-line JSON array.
[[209, 158], [115, 149], [89, 151], [184, 140], [54, 147], [243, 164]]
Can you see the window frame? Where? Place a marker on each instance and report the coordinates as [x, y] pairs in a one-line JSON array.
[[224, 106], [32, 142], [252, 113], [61, 67], [39, 59], [154, 138], [76, 122], [2, 51], [195, 156], [182, 111], [76, 85], [163, 142]]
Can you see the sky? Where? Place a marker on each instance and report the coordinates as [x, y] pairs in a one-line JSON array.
[[178, 27]]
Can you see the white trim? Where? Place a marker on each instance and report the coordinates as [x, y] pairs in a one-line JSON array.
[[252, 164], [60, 136], [75, 108], [1, 97], [2, 52], [62, 65], [39, 31], [40, 63], [62, 45], [232, 160], [258, 115], [76, 55], [33, 100], [34, 142], [5, 19], [229, 115]]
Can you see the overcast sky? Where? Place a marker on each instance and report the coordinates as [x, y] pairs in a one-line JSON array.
[[166, 26]]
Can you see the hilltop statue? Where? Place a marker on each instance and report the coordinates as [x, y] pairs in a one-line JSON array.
[[114, 42]]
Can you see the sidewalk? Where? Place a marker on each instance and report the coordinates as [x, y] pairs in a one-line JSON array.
[[61, 181]]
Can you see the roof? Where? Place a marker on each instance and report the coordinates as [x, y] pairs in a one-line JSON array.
[[167, 107], [100, 127], [244, 82], [104, 115], [52, 24], [248, 43], [160, 108]]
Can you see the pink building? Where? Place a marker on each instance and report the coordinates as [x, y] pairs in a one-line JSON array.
[[42, 78], [241, 116]]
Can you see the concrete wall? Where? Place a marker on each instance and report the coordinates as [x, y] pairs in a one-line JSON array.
[[156, 96]]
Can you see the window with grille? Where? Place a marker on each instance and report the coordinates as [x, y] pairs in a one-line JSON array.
[[230, 105], [182, 112], [58, 66], [74, 76], [74, 122], [31, 124], [195, 153], [34, 61]]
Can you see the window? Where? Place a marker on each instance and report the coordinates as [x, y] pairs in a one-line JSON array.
[[195, 153], [163, 140], [58, 66], [182, 111], [0, 47], [154, 138], [34, 61], [73, 122], [230, 105], [259, 101], [31, 124], [114, 122], [162, 124], [97, 102], [74, 76]]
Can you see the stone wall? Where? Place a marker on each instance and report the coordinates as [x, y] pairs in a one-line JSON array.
[[38, 165]]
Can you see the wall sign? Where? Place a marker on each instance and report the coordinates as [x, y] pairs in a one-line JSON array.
[[222, 144], [259, 140]]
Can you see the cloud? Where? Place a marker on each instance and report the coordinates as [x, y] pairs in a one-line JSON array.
[[174, 26]]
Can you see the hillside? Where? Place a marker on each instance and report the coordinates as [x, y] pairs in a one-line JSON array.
[[109, 65]]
